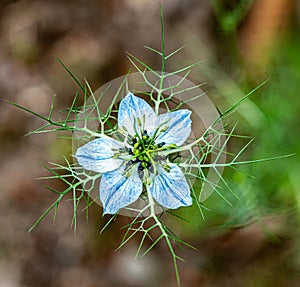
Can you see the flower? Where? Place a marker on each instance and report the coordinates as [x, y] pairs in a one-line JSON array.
[[137, 162]]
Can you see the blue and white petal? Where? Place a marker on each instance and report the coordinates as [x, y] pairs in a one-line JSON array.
[[118, 191], [171, 189], [178, 126], [97, 155], [134, 110]]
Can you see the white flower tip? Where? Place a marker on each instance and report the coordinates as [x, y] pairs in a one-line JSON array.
[[129, 94], [107, 212], [188, 201]]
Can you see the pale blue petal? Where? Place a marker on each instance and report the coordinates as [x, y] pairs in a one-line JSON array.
[[133, 108], [97, 155], [178, 126], [118, 191], [171, 189]]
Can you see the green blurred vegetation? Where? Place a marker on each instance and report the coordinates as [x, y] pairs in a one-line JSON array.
[[269, 189]]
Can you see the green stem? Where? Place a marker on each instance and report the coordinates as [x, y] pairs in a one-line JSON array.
[[163, 233]]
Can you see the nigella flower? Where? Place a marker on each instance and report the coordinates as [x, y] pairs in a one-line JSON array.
[[137, 163]]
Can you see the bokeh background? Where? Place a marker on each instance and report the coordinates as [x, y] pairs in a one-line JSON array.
[[255, 242]]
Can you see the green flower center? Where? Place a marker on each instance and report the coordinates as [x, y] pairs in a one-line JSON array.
[[143, 145]]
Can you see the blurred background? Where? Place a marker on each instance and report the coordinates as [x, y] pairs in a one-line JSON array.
[[242, 43]]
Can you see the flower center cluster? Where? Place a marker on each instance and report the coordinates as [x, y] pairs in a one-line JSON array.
[[143, 145]]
